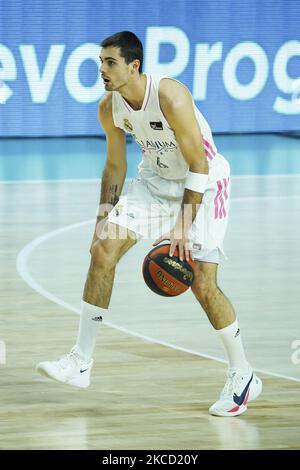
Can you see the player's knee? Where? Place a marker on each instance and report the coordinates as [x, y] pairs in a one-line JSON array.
[[102, 255], [203, 288]]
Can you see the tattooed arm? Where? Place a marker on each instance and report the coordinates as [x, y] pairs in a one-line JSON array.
[[114, 172]]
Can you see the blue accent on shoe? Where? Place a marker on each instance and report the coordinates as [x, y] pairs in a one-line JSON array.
[[239, 400]]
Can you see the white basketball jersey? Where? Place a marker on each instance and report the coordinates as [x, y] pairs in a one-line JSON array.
[[151, 130]]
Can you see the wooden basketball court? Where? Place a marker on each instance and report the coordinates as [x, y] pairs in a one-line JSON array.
[[158, 365]]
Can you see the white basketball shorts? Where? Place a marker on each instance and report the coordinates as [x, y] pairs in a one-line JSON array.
[[149, 207]]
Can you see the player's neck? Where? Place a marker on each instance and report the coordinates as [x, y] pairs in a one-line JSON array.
[[134, 92]]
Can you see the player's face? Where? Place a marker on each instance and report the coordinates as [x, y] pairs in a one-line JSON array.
[[114, 71]]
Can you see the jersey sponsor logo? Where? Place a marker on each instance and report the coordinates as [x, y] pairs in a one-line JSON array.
[[157, 145], [161, 164], [157, 126], [127, 125]]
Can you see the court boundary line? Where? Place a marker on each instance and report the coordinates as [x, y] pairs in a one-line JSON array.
[[23, 271]]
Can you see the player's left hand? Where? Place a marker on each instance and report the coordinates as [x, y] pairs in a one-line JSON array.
[[181, 241]]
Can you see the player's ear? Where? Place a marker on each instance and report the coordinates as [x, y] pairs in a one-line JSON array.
[[136, 65]]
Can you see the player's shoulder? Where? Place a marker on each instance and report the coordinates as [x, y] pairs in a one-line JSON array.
[[105, 108], [105, 104], [173, 93]]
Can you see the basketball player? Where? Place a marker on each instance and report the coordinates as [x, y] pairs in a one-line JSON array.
[[180, 167]]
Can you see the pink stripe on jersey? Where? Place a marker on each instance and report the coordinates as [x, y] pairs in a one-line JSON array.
[[208, 144], [210, 152], [149, 90], [207, 154]]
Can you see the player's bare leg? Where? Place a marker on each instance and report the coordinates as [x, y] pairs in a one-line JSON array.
[[75, 367], [242, 385], [105, 255], [216, 305]]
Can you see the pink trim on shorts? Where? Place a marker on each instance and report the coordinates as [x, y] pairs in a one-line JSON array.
[[221, 198]]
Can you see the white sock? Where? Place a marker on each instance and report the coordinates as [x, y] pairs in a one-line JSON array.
[[232, 343], [90, 318]]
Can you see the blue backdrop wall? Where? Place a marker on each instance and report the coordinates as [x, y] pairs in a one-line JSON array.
[[240, 59]]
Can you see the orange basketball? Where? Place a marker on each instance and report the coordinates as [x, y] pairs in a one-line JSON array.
[[165, 275]]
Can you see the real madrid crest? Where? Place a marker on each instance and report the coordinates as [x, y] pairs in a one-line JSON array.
[[127, 125]]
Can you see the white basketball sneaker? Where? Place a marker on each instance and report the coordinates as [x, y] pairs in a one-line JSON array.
[[72, 369], [240, 387]]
